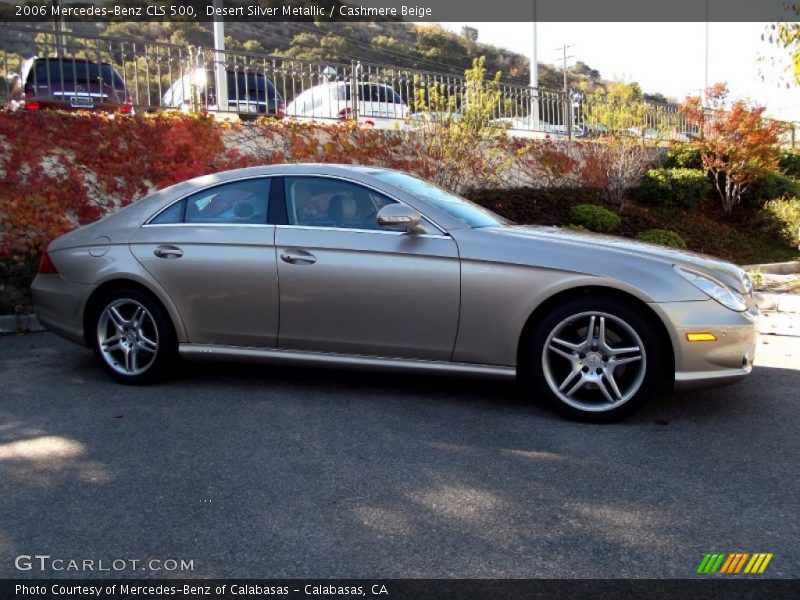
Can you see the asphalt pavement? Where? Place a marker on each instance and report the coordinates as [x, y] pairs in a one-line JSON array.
[[254, 471]]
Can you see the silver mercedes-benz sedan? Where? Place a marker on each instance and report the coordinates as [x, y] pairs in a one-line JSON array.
[[349, 266]]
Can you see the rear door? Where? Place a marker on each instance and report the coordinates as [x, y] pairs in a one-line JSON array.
[[214, 254]]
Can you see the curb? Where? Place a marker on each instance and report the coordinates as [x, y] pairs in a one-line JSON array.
[[19, 323], [784, 268], [783, 303], [783, 324]]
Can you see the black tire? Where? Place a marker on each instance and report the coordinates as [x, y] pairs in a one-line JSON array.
[[156, 327], [628, 384]]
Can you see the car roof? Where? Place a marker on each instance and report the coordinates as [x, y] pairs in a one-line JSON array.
[[70, 59]]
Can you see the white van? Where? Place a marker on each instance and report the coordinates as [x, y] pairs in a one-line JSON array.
[[378, 104]]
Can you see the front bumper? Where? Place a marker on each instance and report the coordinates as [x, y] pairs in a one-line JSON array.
[[700, 364]]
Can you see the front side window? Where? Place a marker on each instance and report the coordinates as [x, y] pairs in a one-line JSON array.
[[235, 203], [325, 202]]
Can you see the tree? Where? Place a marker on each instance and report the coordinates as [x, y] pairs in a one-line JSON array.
[[617, 108], [787, 35], [737, 144], [469, 33], [454, 142], [616, 166], [581, 68], [388, 43]]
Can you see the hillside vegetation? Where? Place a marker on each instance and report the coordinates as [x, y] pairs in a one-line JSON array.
[[426, 46]]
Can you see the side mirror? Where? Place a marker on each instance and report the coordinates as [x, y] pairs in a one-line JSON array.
[[401, 216]]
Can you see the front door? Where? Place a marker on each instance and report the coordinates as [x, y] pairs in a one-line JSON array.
[[348, 286]]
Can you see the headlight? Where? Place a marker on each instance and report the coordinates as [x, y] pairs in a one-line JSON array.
[[718, 291]]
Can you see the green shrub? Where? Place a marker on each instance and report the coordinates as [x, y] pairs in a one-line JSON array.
[[783, 216], [683, 156], [674, 187], [573, 227], [664, 237], [770, 186], [594, 217], [789, 163]]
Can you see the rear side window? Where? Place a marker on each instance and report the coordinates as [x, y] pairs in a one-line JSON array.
[[374, 93], [235, 203], [243, 86], [250, 85]]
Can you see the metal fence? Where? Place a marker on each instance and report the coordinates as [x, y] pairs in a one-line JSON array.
[[67, 70]]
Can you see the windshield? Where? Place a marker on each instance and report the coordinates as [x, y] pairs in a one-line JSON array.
[[465, 211], [244, 86]]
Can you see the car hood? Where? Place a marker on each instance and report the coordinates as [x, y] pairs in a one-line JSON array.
[[726, 272]]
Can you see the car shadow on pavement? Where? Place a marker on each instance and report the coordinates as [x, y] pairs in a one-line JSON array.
[[712, 402]]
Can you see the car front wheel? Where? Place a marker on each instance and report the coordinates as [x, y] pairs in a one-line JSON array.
[[596, 360], [133, 338]]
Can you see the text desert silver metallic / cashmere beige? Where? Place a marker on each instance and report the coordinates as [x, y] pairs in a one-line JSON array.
[[341, 265]]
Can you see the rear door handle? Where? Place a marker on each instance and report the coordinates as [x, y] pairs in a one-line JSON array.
[[298, 257], [168, 252]]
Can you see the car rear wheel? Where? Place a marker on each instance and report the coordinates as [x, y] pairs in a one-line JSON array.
[[133, 338], [595, 359]]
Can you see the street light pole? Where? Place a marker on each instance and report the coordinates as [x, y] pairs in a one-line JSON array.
[[58, 25], [220, 62], [535, 70], [705, 86]]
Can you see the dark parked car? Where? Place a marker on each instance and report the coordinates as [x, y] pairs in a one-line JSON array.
[[249, 93], [71, 84]]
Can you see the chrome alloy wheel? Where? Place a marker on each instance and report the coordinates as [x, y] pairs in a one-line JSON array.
[[594, 361], [127, 336]]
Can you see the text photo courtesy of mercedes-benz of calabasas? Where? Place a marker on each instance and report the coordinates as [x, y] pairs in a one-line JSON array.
[[352, 266]]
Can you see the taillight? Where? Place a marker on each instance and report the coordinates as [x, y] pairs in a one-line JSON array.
[[46, 266], [346, 113], [32, 105]]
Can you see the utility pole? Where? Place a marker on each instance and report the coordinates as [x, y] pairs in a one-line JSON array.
[[567, 100], [535, 70]]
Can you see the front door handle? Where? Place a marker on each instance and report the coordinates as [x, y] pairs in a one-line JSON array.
[[298, 257], [168, 252]]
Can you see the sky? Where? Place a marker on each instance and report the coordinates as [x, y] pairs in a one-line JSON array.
[[662, 57]]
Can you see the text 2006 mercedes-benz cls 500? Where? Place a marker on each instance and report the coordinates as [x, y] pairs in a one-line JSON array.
[[340, 265]]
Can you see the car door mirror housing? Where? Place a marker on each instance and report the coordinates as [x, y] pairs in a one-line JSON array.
[[401, 216]]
